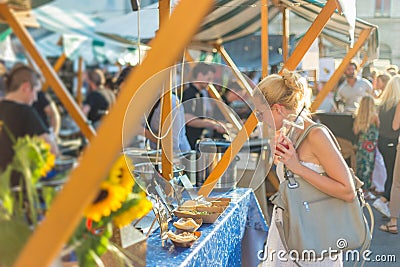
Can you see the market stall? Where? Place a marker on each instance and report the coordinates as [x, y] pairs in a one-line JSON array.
[[51, 235]]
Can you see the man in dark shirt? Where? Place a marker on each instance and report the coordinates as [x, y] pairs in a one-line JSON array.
[[194, 104], [48, 112], [99, 99], [17, 114]]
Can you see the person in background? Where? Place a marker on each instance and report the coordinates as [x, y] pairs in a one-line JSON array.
[[394, 205], [194, 104], [152, 124], [3, 71], [18, 115], [321, 166], [381, 81], [353, 88], [99, 99], [48, 112], [235, 97], [379, 173], [392, 70], [389, 130], [366, 123]]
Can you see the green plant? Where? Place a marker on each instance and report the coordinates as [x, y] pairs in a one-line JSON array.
[[20, 207], [118, 203]]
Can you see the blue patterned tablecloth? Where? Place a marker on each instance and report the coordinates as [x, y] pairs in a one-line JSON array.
[[221, 243]]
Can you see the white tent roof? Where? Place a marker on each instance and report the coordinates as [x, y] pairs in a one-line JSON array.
[[78, 35], [233, 19]]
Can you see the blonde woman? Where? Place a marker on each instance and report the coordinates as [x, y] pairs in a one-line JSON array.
[[365, 126], [321, 165], [389, 130]]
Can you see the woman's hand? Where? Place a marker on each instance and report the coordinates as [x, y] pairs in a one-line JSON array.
[[286, 153]]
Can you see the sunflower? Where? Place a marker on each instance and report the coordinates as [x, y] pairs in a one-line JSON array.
[[121, 173], [109, 199], [138, 210], [48, 165]]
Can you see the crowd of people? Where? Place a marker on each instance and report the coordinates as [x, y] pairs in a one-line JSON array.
[[374, 101]]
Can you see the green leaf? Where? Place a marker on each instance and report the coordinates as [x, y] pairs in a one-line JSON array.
[[13, 236], [48, 194], [5, 192]]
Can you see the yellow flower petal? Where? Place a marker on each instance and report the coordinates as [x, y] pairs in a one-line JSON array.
[[113, 196]]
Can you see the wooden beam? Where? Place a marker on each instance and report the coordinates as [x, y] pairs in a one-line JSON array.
[[167, 154], [164, 10], [264, 38], [285, 34], [25, 17], [241, 79], [57, 66], [79, 82], [312, 33], [188, 57], [223, 107], [229, 155], [96, 161], [340, 70], [51, 77], [364, 60]]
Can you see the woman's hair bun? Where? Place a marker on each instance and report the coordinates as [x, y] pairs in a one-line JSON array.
[[292, 80]]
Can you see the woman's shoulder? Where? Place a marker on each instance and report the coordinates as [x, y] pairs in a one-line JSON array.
[[318, 131], [320, 138]]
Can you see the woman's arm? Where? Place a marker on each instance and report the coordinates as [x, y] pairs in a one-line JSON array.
[[376, 120], [338, 180], [396, 119]]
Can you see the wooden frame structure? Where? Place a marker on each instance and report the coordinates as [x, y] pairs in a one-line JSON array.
[[50, 75], [48, 239]]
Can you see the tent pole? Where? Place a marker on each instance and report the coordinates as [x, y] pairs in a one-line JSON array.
[[238, 142], [167, 155], [242, 80], [222, 106], [229, 155], [57, 66], [49, 73], [312, 33], [264, 38], [340, 70], [188, 57], [80, 82], [67, 209], [364, 60], [285, 34]]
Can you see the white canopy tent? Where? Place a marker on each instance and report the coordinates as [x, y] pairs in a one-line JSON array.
[[231, 20], [76, 31]]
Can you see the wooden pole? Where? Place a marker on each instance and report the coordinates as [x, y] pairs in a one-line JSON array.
[[49, 73], [80, 82], [241, 79], [57, 66], [229, 155], [96, 161], [223, 108], [311, 34], [340, 70], [285, 34], [264, 38], [167, 154]]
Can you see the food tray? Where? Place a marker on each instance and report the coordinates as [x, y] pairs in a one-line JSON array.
[[179, 228], [184, 244]]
